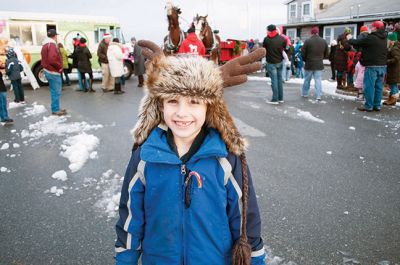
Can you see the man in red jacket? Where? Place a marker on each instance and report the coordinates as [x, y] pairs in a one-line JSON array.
[[52, 64], [192, 45]]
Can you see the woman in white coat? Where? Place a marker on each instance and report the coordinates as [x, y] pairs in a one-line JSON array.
[[115, 57]]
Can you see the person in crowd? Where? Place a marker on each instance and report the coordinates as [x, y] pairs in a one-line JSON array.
[[83, 57], [393, 69], [363, 32], [359, 81], [314, 51], [75, 43], [332, 52], [298, 59], [52, 64], [286, 65], [274, 45], [341, 58], [115, 58], [351, 64], [64, 57], [188, 195], [374, 58], [13, 71], [191, 44], [107, 81], [138, 61], [4, 118]]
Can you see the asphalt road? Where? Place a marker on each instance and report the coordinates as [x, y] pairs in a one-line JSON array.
[[328, 188]]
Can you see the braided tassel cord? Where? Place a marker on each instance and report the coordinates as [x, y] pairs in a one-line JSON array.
[[241, 254]]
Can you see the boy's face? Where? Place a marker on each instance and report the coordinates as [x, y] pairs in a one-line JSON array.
[[185, 117]]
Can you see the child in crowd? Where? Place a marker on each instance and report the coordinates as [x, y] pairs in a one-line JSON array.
[[359, 82], [83, 57], [3, 99], [13, 70], [393, 69], [188, 196], [64, 57]]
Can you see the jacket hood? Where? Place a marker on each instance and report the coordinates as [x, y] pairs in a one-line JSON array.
[[187, 76]]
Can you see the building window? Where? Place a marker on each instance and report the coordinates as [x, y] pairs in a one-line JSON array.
[[333, 32], [291, 33], [292, 10], [21, 33], [306, 9]]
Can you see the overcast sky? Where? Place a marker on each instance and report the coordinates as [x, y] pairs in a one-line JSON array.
[[235, 19]]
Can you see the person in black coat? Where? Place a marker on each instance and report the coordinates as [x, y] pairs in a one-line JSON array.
[[84, 65], [332, 58], [341, 58], [374, 58], [313, 52]]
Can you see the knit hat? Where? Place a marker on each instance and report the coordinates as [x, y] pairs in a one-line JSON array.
[[392, 36], [11, 53], [106, 35], [347, 30], [378, 24], [315, 30], [271, 27], [364, 29], [192, 76]]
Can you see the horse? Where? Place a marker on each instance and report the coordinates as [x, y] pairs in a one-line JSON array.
[[175, 36], [208, 37]]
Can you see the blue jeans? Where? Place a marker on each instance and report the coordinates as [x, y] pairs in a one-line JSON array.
[[55, 84], [373, 86], [300, 72], [350, 80], [317, 80], [18, 90], [394, 89], [275, 73], [67, 81], [80, 82], [3, 106]]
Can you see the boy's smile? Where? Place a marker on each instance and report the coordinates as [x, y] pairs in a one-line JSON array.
[[185, 117]]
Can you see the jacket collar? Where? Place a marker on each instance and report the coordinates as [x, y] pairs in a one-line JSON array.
[[157, 150]]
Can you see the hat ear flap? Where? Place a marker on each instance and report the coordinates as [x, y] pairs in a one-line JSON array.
[[218, 117], [149, 117]]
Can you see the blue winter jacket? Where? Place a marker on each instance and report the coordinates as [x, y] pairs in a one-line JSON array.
[[154, 222]]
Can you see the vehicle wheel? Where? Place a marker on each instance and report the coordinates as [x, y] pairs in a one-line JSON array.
[[38, 72], [128, 70]]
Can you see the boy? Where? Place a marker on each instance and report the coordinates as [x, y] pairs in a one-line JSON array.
[[187, 196], [13, 70], [3, 100]]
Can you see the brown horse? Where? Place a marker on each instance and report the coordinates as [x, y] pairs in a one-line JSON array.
[[175, 36], [208, 37]]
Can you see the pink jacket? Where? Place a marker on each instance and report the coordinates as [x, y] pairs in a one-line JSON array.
[[359, 73]]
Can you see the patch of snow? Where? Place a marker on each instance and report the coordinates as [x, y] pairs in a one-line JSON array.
[[14, 105], [346, 212], [57, 126], [56, 191], [352, 128], [34, 110], [13, 131], [5, 146], [60, 175], [3, 169], [329, 152], [110, 197], [308, 116], [15, 145], [93, 155], [77, 149], [12, 156]]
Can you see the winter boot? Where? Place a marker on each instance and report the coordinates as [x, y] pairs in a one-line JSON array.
[[392, 100], [91, 86], [117, 89], [141, 81], [339, 81]]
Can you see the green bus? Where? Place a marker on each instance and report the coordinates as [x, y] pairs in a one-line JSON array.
[[28, 31]]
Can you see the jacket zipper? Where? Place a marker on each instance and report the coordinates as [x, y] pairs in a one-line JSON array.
[[183, 173]]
